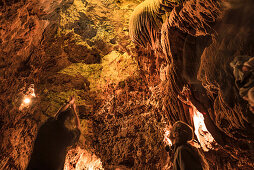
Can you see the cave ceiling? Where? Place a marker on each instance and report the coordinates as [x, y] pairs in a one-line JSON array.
[[126, 62]]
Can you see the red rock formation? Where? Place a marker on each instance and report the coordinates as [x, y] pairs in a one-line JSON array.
[[122, 123]]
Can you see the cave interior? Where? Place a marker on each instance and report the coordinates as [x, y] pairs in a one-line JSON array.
[[127, 62]]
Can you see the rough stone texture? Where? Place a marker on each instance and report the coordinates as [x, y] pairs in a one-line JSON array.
[[222, 29], [231, 111], [38, 40], [196, 17], [133, 132], [126, 96], [226, 27]]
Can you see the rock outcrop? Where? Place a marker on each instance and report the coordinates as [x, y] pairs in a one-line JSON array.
[[126, 94]]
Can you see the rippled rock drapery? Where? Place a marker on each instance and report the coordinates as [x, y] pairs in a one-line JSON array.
[[232, 113], [199, 26], [197, 39]]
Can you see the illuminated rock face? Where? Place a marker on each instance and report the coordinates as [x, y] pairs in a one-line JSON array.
[[205, 139], [124, 96], [66, 48]]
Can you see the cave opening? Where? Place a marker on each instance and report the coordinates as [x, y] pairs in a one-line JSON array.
[[135, 67]]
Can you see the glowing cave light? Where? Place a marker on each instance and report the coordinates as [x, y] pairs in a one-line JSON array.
[[27, 100], [28, 95], [80, 159], [204, 137], [166, 138]]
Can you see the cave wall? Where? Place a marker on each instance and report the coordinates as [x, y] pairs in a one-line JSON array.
[[126, 95], [199, 40], [63, 48]]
